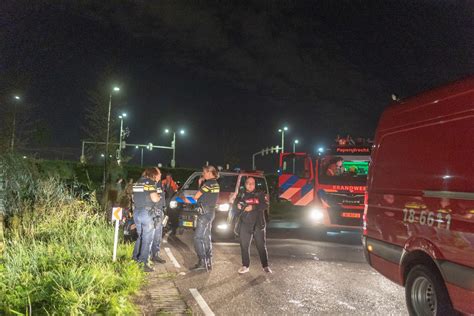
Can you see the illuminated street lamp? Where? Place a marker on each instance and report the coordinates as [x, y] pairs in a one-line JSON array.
[[173, 145], [294, 144], [114, 89], [282, 131]]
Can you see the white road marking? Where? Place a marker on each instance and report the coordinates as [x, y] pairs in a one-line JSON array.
[[346, 305], [297, 303], [165, 237], [201, 302], [172, 258]]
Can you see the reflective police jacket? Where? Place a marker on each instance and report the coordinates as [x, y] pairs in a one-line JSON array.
[[142, 190], [210, 193]]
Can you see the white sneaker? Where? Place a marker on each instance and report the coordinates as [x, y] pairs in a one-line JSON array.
[[243, 270], [267, 270]]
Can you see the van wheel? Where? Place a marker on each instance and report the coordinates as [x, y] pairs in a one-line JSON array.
[[426, 293]]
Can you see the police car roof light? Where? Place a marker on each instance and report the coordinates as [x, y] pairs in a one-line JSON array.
[[252, 171]]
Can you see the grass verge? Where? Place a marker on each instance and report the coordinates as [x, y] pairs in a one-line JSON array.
[[58, 259]]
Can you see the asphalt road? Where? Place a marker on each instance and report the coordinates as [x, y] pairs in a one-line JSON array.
[[310, 276]]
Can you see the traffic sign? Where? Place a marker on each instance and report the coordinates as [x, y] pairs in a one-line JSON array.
[[116, 214]]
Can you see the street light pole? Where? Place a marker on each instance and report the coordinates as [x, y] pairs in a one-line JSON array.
[[294, 150], [283, 141], [173, 144], [17, 98], [282, 131], [119, 153], [108, 136], [294, 145]]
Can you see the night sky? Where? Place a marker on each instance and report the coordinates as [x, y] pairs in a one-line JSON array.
[[230, 72]]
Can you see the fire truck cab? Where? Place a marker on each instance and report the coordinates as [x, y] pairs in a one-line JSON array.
[[330, 187]]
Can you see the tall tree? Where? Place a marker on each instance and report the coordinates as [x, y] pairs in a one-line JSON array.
[[96, 115]]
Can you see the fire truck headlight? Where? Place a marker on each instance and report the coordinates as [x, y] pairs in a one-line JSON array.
[[316, 215], [222, 226], [223, 207], [173, 204]]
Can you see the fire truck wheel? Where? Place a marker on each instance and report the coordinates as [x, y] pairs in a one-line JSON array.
[[426, 293]]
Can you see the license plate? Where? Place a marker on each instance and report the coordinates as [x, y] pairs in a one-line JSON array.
[[188, 224], [350, 215]]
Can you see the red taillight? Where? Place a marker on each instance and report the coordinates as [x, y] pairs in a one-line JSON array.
[[364, 217]]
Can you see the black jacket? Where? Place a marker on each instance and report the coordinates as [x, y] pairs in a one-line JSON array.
[[259, 207]]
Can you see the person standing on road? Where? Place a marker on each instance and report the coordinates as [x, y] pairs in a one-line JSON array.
[[169, 186], [145, 200], [207, 198], [252, 205], [158, 216]]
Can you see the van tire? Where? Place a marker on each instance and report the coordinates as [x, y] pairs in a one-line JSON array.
[[421, 281]]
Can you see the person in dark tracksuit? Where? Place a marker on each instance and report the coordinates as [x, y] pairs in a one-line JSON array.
[[145, 199], [158, 216], [207, 196], [252, 205]]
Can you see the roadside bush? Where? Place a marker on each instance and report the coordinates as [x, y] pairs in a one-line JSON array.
[[58, 256]]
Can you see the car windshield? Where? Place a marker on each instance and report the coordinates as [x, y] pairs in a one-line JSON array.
[[335, 170], [227, 183]]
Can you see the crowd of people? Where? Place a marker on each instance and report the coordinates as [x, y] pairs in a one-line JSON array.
[[151, 195]]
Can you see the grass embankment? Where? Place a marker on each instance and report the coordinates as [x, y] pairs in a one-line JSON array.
[[58, 257]]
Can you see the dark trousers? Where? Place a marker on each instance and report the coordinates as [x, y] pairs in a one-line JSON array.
[[247, 231], [157, 235], [202, 236], [144, 223]]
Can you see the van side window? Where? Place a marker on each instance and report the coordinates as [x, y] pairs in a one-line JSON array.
[[193, 184], [260, 185], [242, 183]]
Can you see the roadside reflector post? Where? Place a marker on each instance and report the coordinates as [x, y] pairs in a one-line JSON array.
[[116, 216]]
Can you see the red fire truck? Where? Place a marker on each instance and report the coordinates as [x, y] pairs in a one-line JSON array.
[[330, 186]]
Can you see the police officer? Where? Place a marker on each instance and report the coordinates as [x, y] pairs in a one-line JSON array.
[[252, 205], [207, 198], [158, 216], [145, 199]]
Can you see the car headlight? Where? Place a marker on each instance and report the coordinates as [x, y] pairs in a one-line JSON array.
[[173, 204], [316, 215], [222, 226], [223, 207]]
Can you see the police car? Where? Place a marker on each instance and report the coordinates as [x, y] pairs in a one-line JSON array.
[[183, 216]]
